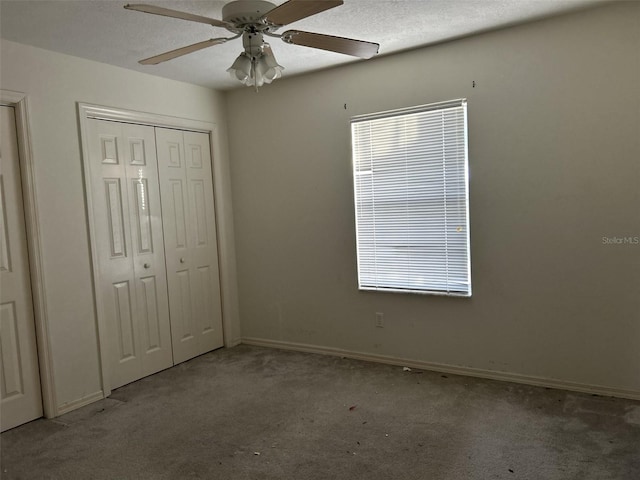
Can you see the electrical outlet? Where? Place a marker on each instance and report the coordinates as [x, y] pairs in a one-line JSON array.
[[379, 319]]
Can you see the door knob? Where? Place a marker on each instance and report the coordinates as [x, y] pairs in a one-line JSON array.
[[182, 260], [147, 265]]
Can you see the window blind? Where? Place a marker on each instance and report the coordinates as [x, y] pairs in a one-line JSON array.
[[410, 173]]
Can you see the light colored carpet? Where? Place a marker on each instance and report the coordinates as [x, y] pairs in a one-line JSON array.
[[257, 413]]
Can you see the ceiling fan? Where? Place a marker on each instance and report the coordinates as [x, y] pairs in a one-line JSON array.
[[253, 20]]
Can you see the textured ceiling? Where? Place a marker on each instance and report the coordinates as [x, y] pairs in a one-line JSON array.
[[102, 30]]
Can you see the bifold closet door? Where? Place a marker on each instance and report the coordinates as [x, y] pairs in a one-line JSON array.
[[191, 251], [20, 399], [127, 230]]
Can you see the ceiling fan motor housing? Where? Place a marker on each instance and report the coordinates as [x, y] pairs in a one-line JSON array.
[[245, 12], [252, 43]]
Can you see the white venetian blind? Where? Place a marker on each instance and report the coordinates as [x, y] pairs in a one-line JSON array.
[[411, 198]]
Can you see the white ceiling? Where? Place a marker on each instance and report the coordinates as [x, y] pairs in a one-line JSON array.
[[102, 30]]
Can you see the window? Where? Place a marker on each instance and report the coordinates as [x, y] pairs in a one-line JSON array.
[[410, 174]]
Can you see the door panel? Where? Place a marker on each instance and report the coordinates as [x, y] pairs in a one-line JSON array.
[[177, 214], [115, 214], [11, 363], [142, 216], [20, 396], [186, 185], [206, 302], [205, 248], [185, 326], [127, 229], [174, 198], [149, 314], [148, 258], [124, 321], [200, 212]]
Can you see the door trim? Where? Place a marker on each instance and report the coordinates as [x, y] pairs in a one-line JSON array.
[[20, 102], [224, 220]]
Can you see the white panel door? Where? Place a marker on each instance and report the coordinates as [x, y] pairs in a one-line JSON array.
[[191, 250], [127, 231], [20, 398]]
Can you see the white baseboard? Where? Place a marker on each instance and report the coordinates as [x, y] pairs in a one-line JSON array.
[[456, 370], [233, 343], [80, 402]]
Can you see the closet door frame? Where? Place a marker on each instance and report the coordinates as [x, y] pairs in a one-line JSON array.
[[228, 285]]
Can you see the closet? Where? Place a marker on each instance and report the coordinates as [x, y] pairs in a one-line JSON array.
[[150, 196]]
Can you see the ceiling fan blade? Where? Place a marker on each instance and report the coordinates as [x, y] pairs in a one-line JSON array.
[[294, 10], [166, 12], [178, 52], [348, 46]]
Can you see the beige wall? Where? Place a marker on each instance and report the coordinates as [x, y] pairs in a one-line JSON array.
[[554, 129], [54, 83]]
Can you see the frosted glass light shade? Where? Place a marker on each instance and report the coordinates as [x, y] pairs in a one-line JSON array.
[[241, 68]]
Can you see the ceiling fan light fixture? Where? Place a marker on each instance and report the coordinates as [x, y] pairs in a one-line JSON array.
[[256, 71]]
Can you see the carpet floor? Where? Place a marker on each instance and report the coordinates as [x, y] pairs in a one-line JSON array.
[[257, 413]]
